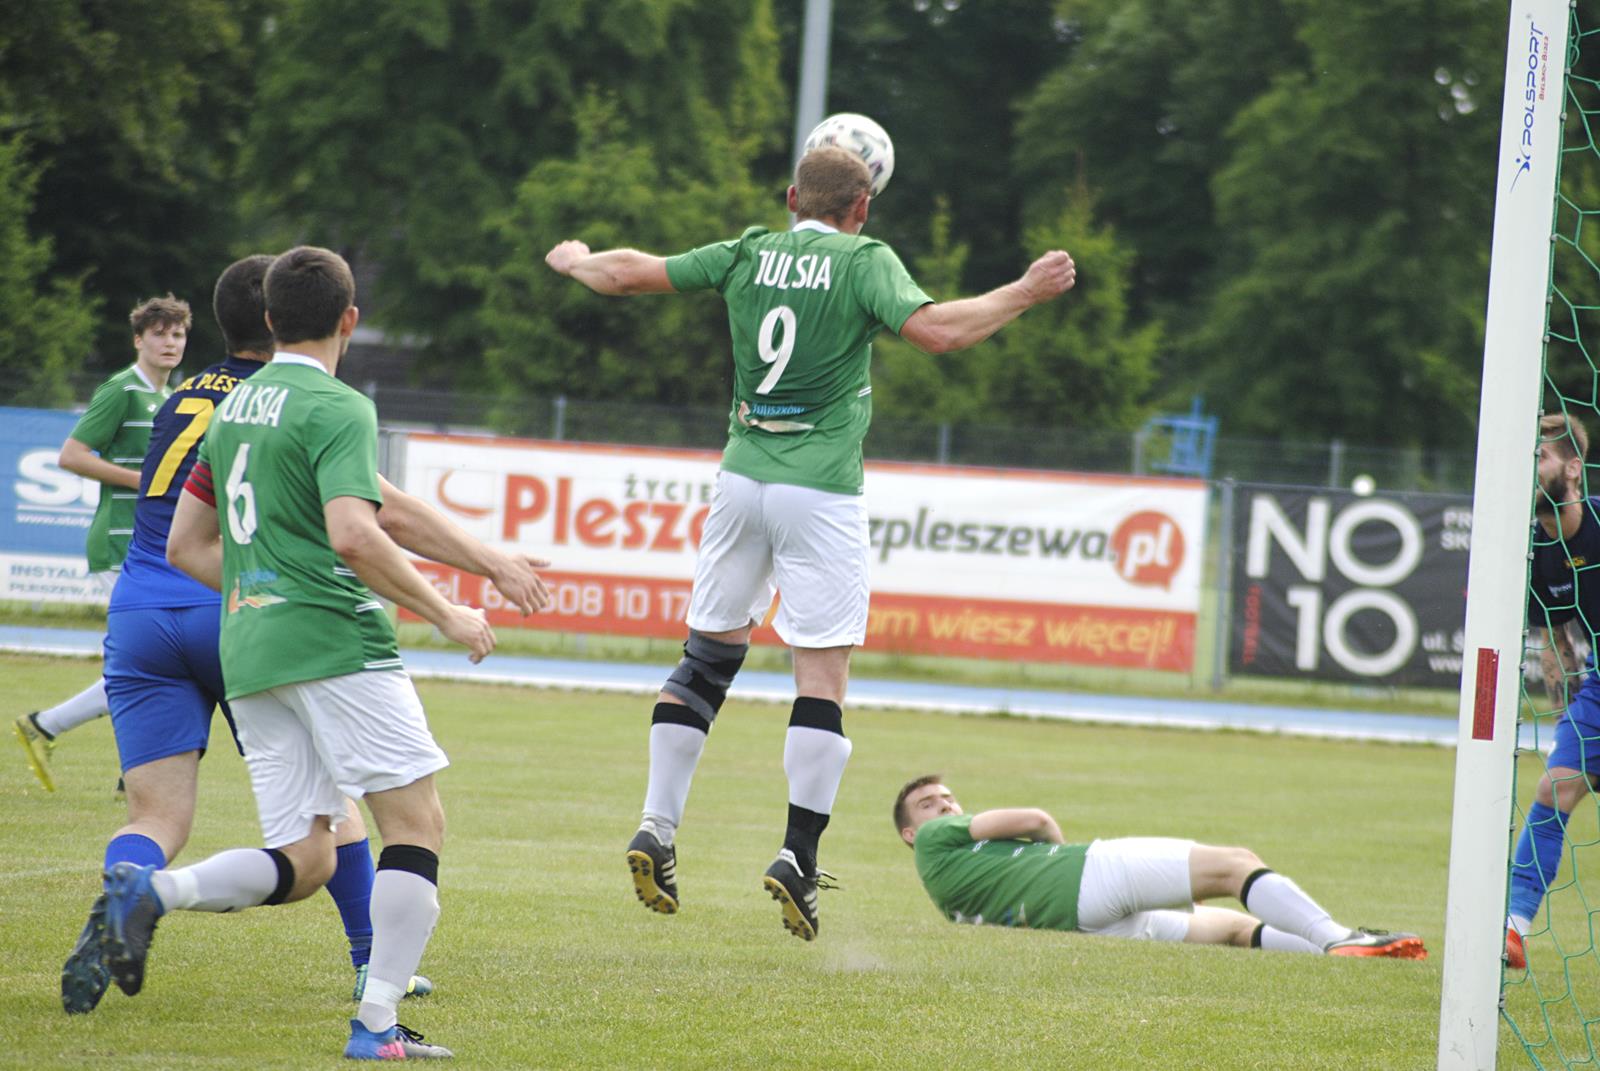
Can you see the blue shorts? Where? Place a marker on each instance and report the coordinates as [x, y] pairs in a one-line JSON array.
[[163, 680], [1577, 735]]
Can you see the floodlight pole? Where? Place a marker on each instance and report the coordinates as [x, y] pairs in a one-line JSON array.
[[813, 93], [1497, 576]]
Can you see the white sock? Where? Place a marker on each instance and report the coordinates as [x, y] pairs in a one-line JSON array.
[[814, 760], [1280, 903], [1520, 924], [1277, 941], [675, 751], [405, 907], [86, 706], [228, 881]]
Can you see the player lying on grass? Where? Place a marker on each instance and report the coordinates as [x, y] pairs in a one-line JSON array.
[[1012, 867]]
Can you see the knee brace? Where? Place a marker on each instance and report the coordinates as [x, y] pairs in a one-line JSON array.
[[285, 885], [702, 678]]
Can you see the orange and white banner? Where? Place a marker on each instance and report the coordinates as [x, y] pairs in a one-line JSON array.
[[988, 563]]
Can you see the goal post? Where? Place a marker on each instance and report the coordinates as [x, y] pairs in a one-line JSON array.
[[1514, 341]]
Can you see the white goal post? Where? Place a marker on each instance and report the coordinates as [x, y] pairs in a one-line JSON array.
[[1491, 667]]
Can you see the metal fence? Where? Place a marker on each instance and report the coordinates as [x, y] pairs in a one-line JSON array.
[[1062, 448]]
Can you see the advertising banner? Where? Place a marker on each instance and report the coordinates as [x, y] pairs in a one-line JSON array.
[[1329, 585], [44, 511], [985, 563]]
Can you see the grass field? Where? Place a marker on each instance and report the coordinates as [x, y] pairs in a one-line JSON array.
[[544, 959]]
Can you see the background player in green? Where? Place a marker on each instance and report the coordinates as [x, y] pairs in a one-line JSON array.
[[803, 307], [108, 445], [322, 704], [1012, 867]]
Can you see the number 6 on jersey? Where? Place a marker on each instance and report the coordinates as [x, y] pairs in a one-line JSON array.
[[241, 498]]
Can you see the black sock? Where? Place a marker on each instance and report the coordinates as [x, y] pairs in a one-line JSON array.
[[805, 830]]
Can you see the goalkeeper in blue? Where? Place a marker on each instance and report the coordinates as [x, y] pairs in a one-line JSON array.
[[1566, 538], [1012, 867]]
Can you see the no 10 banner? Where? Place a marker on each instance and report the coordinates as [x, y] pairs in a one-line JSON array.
[[1333, 586]]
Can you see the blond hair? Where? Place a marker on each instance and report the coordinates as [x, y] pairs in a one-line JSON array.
[[827, 182]]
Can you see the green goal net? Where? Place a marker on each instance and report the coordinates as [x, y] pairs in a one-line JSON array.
[[1551, 1006]]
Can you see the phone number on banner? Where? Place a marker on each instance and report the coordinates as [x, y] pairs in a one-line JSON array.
[[624, 605]]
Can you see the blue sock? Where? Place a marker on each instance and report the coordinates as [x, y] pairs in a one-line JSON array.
[[351, 889], [135, 848], [1537, 858]]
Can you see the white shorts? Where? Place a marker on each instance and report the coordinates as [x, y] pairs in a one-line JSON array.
[[311, 744], [1137, 887], [810, 545]]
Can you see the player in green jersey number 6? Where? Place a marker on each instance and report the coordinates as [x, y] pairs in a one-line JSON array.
[[108, 445], [1012, 867], [803, 308], [320, 698]]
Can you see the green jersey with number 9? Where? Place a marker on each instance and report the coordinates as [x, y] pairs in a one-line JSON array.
[[284, 443], [803, 308]]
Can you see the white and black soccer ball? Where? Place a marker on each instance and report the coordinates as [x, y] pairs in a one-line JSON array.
[[859, 135]]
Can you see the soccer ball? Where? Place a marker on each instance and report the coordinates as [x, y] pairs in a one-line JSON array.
[[861, 136]]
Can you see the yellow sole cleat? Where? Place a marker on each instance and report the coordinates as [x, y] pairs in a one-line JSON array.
[[654, 867], [38, 746]]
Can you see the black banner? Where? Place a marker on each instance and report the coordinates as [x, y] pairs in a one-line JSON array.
[[1330, 585]]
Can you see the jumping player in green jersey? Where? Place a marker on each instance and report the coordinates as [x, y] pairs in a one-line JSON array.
[[108, 445], [321, 701], [1012, 867], [803, 308]]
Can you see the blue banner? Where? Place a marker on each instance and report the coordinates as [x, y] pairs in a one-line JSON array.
[[43, 508]]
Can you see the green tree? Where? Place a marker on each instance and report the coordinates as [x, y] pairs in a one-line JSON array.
[[547, 335], [1139, 111], [1355, 205], [46, 321], [410, 144], [915, 387], [133, 113], [1077, 361]]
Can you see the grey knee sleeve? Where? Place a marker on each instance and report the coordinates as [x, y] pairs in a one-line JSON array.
[[701, 680]]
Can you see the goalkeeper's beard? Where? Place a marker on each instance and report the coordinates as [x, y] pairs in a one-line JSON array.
[[1553, 493]]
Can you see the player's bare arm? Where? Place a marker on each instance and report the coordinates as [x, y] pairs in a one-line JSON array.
[[1560, 664], [355, 536], [953, 325], [1016, 823], [614, 271], [77, 458], [194, 544], [426, 532]]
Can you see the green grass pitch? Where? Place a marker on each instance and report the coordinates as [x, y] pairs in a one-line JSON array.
[[543, 958]]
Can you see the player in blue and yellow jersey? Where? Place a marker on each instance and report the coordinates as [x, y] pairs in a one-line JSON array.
[[162, 677], [163, 674], [803, 308], [1566, 546], [163, 668], [108, 445]]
